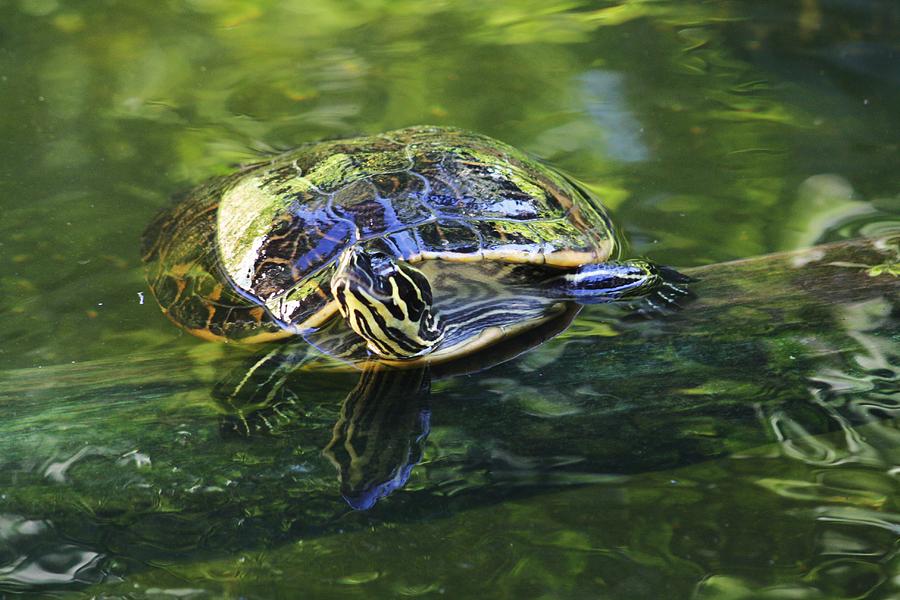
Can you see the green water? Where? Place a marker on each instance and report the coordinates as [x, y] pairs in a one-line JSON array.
[[714, 130]]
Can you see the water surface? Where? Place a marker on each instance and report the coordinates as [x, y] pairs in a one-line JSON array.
[[713, 130]]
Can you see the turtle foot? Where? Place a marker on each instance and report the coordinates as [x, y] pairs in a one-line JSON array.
[[670, 295]]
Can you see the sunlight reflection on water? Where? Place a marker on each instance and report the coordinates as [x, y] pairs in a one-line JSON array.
[[33, 554]]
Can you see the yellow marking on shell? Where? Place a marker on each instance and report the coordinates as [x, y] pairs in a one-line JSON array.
[[560, 258], [204, 334], [259, 338]]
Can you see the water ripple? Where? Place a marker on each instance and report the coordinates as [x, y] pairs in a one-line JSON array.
[[32, 554]]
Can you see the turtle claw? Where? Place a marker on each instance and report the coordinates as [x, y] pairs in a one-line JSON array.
[[672, 277], [670, 295]]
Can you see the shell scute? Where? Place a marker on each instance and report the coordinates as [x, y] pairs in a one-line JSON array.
[[443, 238], [290, 253], [383, 203], [538, 242], [449, 237], [340, 168], [474, 185]]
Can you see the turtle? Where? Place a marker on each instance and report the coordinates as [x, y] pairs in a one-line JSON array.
[[397, 252], [414, 246]]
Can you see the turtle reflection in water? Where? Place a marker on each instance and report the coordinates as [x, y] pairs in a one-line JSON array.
[[394, 252]]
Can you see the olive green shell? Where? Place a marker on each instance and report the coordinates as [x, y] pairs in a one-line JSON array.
[[250, 256]]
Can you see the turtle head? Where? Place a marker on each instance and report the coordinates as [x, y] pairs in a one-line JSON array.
[[389, 304]]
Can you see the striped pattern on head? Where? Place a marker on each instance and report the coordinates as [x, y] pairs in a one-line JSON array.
[[387, 304]]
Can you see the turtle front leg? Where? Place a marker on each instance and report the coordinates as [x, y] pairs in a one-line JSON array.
[[389, 304], [660, 287]]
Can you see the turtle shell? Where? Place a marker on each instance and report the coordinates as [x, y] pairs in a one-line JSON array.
[[270, 235], [179, 250]]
